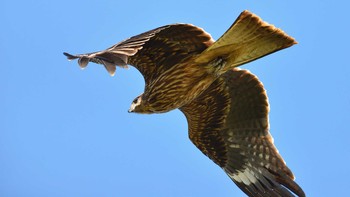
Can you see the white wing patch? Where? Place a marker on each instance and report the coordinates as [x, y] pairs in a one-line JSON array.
[[246, 176]]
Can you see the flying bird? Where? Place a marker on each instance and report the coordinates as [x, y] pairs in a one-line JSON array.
[[226, 107]]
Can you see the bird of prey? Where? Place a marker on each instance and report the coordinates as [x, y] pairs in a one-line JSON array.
[[226, 107]]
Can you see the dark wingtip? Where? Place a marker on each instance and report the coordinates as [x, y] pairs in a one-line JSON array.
[[69, 56]]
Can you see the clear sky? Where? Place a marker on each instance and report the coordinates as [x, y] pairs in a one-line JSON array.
[[66, 132]]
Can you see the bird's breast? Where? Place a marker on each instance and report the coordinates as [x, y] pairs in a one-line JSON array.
[[177, 87]]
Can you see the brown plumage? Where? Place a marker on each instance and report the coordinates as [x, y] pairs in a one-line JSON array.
[[226, 108]]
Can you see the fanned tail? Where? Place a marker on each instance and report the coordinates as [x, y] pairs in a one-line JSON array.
[[248, 39]]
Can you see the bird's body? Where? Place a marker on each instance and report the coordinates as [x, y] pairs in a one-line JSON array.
[[176, 87], [226, 108]]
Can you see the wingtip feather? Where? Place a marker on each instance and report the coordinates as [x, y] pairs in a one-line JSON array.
[[111, 68], [83, 62], [70, 56]]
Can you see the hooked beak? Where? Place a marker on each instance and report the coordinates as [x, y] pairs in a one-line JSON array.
[[131, 109]]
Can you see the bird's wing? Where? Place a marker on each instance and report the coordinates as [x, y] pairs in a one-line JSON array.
[[229, 124], [151, 52]]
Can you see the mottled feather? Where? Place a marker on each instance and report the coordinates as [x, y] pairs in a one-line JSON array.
[[151, 52], [229, 123]]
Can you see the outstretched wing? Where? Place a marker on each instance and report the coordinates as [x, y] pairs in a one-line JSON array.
[[151, 52], [229, 124]]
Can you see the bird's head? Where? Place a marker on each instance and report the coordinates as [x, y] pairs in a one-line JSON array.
[[138, 106]]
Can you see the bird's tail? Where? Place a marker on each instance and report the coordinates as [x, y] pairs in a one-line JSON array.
[[248, 38]]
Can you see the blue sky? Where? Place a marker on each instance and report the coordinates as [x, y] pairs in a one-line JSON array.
[[66, 132]]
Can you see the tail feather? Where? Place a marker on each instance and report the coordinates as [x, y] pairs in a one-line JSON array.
[[249, 38]]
